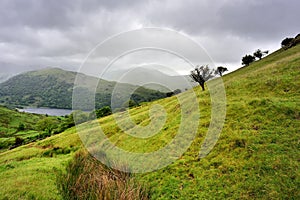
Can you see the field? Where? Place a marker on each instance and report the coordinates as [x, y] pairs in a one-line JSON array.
[[17, 128], [256, 156]]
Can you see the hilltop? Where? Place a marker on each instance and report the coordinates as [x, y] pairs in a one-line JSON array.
[[256, 156], [53, 88]]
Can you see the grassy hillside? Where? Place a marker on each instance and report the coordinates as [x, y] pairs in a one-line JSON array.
[[17, 128], [256, 156], [53, 87]]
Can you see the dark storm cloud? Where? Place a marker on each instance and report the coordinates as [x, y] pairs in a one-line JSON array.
[[61, 33]]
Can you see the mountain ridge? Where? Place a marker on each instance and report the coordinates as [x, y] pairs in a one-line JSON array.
[[53, 88]]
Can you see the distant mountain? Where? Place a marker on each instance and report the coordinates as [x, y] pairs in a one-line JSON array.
[[53, 87], [151, 78]]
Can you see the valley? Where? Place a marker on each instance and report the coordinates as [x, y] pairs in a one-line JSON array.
[[256, 156]]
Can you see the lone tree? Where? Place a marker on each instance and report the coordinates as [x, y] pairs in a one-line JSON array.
[[201, 74], [247, 59], [259, 54], [221, 70]]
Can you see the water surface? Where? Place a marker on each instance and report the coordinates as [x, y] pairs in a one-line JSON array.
[[48, 111]]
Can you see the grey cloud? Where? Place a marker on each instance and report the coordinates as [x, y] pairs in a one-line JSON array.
[[261, 20], [45, 30], [55, 14], [255, 19], [61, 33], [229, 29], [35, 13]]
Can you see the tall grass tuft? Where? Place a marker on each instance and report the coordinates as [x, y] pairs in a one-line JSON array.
[[88, 178]]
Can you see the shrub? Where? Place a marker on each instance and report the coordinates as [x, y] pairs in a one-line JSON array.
[[105, 111], [286, 42], [88, 178], [169, 94], [79, 116], [46, 124], [21, 127], [19, 141]]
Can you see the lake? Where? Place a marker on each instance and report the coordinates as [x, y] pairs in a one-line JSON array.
[[48, 111]]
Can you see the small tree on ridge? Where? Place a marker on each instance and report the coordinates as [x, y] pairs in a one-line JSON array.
[[247, 59], [221, 70], [259, 54], [286, 42], [201, 74]]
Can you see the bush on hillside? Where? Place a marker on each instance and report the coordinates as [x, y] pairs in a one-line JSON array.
[[290, 42], [21, 127], [88, 178], [286, 42], [80, 117], [105, 111], [18, 142], [47, 124]]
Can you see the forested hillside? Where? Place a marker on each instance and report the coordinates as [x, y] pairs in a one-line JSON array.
[[53, 88]]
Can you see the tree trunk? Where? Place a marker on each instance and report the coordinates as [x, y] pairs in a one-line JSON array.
[[202, 86]]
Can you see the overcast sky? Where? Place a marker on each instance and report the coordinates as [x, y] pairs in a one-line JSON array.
[[42, 33]]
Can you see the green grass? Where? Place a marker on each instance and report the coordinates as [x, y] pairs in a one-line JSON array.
[[10, 122], [26, 127], [31, 179], [29, 171], [256, 156]]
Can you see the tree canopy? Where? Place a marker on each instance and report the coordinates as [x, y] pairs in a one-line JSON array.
[[247, 59], [290, 42], [220, 70], [286, 42], [102, 112], [201, 74], [259, 54]]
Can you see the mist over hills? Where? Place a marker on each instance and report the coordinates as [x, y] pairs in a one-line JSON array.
[[151, 78]]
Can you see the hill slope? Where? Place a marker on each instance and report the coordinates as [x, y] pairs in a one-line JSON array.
[[12, 123], [256, 157], [53, 87], [19, 128]]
